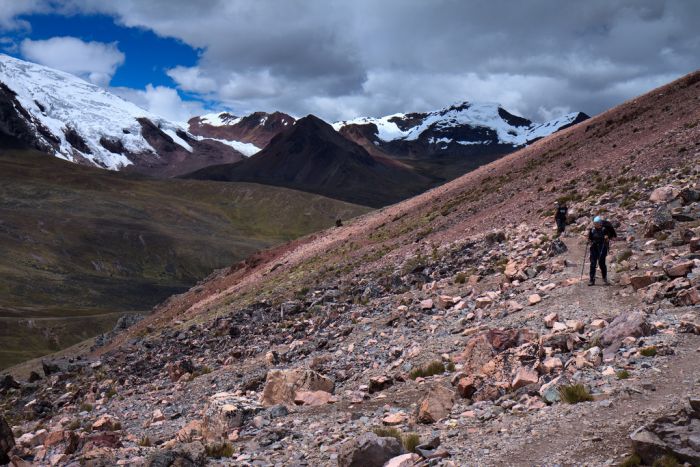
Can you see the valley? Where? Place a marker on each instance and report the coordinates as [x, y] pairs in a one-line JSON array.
[[80, 241]]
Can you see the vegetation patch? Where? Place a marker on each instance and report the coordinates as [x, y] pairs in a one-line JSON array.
[[574, 393], [649, 351], [434, 368], [409, 441], [219, 450]]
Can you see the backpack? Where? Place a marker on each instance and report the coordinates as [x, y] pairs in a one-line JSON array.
[[609, 229]]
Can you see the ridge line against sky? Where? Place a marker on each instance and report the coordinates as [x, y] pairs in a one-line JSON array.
[[346, 59]]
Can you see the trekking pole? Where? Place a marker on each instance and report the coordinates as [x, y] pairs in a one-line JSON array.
[[583, 263]]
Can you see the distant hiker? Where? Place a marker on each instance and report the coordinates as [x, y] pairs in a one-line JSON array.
[[560, 217], [339, 222], [599, 237]]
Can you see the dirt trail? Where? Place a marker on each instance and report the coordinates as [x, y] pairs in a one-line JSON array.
[[596, 433]]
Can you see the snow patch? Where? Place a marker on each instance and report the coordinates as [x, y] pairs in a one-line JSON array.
[[247, 149], [219, 119], [474, 115], [92, 112]]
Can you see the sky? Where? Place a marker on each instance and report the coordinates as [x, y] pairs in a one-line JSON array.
[[341, 59]]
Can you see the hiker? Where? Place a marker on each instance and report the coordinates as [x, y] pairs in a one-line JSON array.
[[560, 217], [599, 237]]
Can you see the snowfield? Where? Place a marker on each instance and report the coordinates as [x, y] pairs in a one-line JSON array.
[[475, 115], [59, 101]]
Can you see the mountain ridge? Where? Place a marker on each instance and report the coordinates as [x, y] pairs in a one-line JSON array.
[[311, 156], [60, 114]]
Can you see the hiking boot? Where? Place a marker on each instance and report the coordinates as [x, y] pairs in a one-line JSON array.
[[605, 281], [591, 282]]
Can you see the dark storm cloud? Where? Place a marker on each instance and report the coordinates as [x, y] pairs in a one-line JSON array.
[[342, 59]]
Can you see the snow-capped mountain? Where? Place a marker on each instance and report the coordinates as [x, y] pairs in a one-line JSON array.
[[464, 124], [63, 115], [255, 130]]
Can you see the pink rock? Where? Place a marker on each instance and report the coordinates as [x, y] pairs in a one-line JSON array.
[[534, 299], [552, 364], [436, 405], [314, 398], [157, 416], [404, 460], [426, 304], [106, 423], [679, 269], [550, 319], [524, 377], [394, 419]]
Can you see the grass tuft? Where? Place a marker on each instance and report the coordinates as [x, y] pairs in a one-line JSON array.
[[409, 441], [219, 450], [145, 441], [574, 393], [633, 460], [384, 432], [648, 351], [85, 407], [623, 374], [434, 368], [666, 461]]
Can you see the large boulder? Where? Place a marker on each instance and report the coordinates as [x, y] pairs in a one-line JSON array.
[[8, 382], [484, 346], [679, 269], [677, 435], [281, 386], [661, 220], [7, 441], [626, 324], [436, 405], [184, 455], [368, 450], [664, 194], [225, 412]]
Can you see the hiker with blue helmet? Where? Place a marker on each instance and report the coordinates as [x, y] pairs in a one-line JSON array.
[[599, 237]]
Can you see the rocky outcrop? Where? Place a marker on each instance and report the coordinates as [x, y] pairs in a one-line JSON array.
[[626, 324], [225, 412], [281, 386], [7, 441], [676, 435], [368, 450], [436, 405]]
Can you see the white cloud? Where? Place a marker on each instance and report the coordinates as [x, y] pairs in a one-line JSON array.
[[192, 79], [11, 9], [162, 101], [343, 58], [93, 61]]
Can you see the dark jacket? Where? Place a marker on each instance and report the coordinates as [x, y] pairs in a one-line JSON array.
[[561, 214], [597, 235]]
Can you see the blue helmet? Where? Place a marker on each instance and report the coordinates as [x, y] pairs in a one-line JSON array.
[[597, 219]]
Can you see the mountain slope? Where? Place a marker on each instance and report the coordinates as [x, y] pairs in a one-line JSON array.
[[62, 115], [256, 129], [451, 141], [312, 156], [423, 316], [75, 240]]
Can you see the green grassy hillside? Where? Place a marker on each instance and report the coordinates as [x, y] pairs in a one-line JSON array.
[[80, 241]]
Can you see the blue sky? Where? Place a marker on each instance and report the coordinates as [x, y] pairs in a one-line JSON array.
[[147, 55], [342, 59]]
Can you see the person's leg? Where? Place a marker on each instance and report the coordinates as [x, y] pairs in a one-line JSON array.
[[603, 266], [594, 260]]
